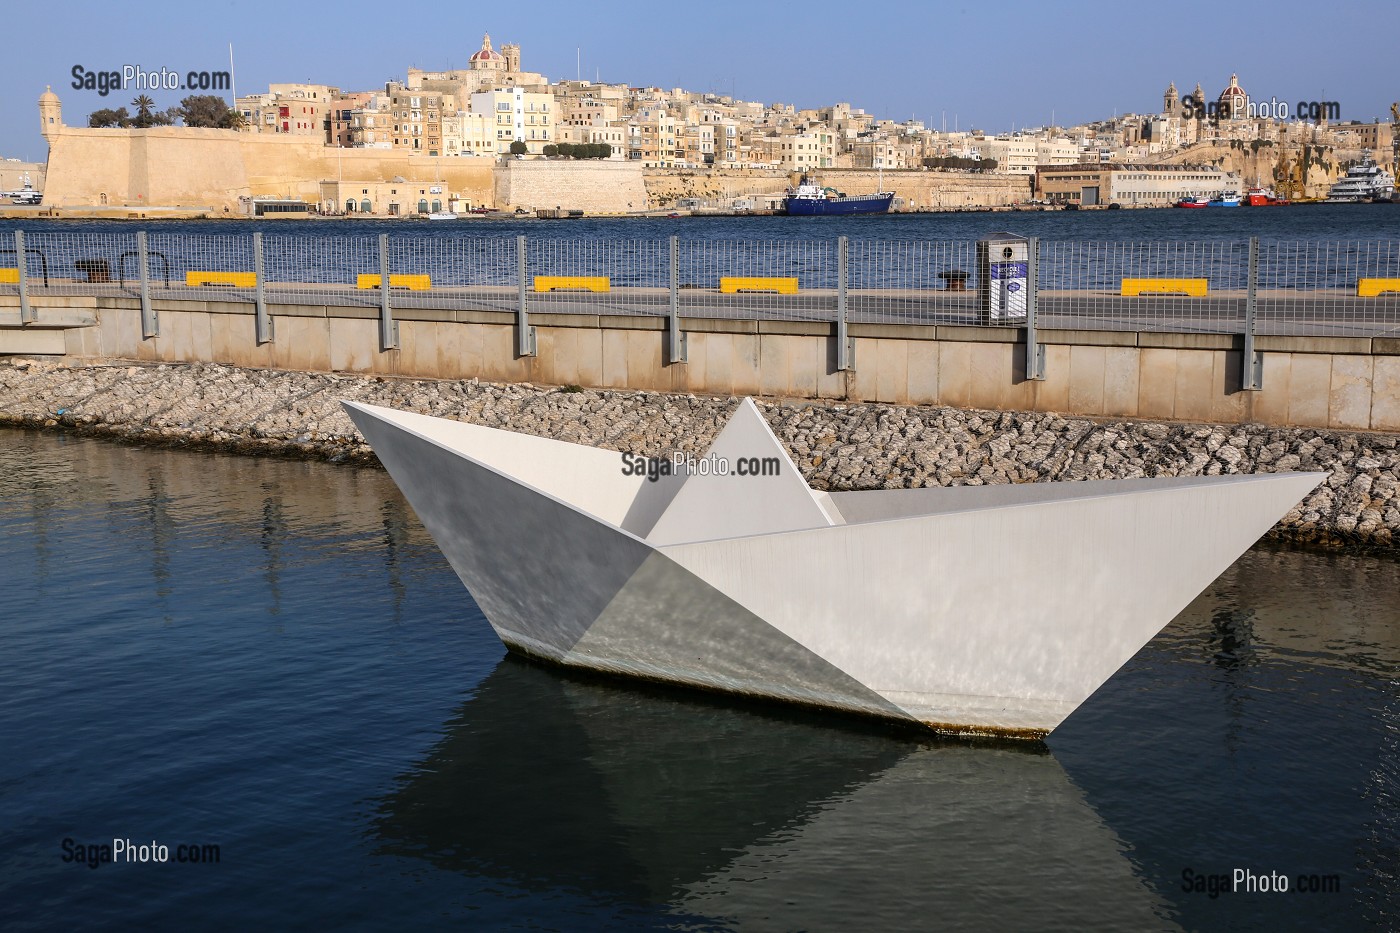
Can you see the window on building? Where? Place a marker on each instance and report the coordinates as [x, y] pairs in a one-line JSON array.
[[366, 207]]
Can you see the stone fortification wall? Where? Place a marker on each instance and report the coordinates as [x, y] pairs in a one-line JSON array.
[[13, 174], [207, 168], [666, 186], [194, 167], [1269, 164], [584, 184], [931, 190], [836, 446]]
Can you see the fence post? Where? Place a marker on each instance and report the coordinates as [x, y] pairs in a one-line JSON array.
[[1035, 350], [1252, 365], [388, 327], [845, 350], [262, 323], [26, 311], [150, 323], [524, 334], [676, 342]]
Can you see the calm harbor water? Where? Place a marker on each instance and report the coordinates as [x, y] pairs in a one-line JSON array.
[[273, 658], [1295, 222]]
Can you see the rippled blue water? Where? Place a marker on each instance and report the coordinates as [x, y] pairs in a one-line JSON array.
[[1296, 222], [272, 657]]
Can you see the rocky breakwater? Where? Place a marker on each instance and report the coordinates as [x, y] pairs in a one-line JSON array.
[[837, 446]]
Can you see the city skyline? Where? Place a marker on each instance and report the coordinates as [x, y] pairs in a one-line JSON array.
[[1022, 66]]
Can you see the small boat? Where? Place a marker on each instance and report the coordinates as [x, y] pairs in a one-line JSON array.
[[1262, 197], [731, 573], [809, 199], [1197, 201], [1225, 199], [1363, 183], [442, 215]]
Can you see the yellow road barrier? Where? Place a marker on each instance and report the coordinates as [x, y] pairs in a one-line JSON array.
[[1366, 288], [783, 286], [587, 283], [414, 283], [1195, 288], [236, 279]]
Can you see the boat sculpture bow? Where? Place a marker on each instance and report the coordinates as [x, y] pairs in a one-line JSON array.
[[973, 609]]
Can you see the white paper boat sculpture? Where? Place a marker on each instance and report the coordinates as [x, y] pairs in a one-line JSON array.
[[972, 609]]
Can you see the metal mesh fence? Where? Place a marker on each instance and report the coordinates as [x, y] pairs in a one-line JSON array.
[[1192, 287], [323, 271], [1306, 287], [1335, 288], [763, 279], [73, 263], [913, 282], [9, 265], [598, 276]]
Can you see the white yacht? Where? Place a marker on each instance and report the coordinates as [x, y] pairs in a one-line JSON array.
[[1364, 182]]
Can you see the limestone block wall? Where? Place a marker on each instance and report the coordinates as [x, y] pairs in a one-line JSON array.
[[590, 185], [666, 186], [12, 175], [1340, 383], [931, 189], [196, 167]]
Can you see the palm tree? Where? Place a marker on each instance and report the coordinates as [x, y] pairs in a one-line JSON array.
[[143, 105]]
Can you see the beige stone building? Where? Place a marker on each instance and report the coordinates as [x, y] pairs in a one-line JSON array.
[[802, 152], [653, 139], [341, 112], [394, 198], [294, 109], [417, 118], [878, 153], [488, 69], [1089, 184], [517, 114], [470, 134]]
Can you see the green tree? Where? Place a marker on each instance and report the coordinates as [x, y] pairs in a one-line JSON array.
[[143, 105], [518, 147], [208, 110], [551, 150], [108, 117]]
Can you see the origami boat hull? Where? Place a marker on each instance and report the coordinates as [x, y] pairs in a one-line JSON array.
[[989, 609]]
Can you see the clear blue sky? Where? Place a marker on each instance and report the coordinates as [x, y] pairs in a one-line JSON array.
[[992, 65]]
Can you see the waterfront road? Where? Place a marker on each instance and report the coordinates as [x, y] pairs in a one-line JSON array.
[[1288, 312]]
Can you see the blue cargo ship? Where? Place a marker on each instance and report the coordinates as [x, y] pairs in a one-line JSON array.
[[809, 200]]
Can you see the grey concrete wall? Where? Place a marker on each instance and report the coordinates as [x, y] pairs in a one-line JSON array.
[[1324, 382]]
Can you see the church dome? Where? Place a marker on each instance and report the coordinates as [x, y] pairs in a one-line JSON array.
[[486, 54], [1234, 91]]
